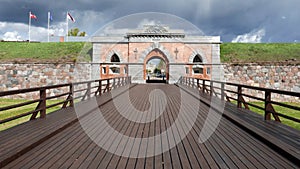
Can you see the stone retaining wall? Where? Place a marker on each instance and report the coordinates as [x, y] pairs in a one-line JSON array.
[[21, 76], [279, 76]]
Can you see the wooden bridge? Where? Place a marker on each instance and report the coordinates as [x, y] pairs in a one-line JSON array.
[[239, 139]]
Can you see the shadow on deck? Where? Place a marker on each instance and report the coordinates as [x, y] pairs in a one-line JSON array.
[[156, 81]]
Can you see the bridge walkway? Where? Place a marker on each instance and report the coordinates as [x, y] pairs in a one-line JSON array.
[[81, 137]]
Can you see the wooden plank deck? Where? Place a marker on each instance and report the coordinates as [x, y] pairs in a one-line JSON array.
[[230, 146], [283, 138]]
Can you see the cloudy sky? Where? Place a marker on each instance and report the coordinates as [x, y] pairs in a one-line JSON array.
[[233, 20]]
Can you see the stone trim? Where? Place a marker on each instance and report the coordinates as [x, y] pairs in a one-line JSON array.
[[156, 45], [111, 53], [198, 52]]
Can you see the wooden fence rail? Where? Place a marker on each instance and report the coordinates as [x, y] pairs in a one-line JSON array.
[[224, 89], [79, 90]]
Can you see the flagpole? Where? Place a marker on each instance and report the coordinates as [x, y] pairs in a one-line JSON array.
[[29, 26], [48, 24], [67, 28]]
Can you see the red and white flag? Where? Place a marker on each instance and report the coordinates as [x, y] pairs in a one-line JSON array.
[[70, 17], [32, 16]]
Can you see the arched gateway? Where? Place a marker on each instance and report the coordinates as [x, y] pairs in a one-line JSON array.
[[156, 54], [128, 54]]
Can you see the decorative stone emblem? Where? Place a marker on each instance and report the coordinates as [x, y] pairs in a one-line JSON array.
[[155, 29]]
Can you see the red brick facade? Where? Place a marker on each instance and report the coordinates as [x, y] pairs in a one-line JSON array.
[[135, 50]]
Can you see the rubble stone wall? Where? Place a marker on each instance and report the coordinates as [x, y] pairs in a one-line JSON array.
[[281, 76], [276, 76], [21, 76]]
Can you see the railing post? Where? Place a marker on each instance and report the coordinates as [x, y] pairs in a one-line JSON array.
[[187, 81], [194, 83], [269, 109], [198, 85], [222, 91], [107, 85], [203, 86], [117, 83], [239, 98], [72, 95], [100, 87], [267, 102], [211, 88], [88, 90], [113, 83], [43, 103]]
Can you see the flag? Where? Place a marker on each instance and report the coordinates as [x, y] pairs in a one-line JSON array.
[[32, 16], [70, 17], [49, 20], [50, 17]]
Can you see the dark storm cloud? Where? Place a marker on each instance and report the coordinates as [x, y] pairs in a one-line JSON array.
[[230, 18], [17, 10]]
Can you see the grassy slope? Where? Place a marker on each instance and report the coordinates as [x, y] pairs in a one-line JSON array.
[[21, 110], [68, 52], [279, 109], [264, 52], [41, 52]]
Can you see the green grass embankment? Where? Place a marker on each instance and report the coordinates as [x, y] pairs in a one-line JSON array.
[[279, 109], [259, 52], [17, 52], [69, 51], [21, 110]]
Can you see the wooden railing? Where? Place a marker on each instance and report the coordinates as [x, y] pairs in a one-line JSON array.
[[74, 91], [232, 91]]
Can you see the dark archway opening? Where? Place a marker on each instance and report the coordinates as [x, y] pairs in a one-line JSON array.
[[114, 58], [197, 59]]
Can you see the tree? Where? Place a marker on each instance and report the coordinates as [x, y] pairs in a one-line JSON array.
[[82, 34], [73, 32], [161, 64], [156, 70], [76, 32]]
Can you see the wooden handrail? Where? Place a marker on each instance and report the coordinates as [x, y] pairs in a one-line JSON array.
[[111, 83], [268, 107]]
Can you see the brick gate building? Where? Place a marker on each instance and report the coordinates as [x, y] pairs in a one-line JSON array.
[[128, 54]]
